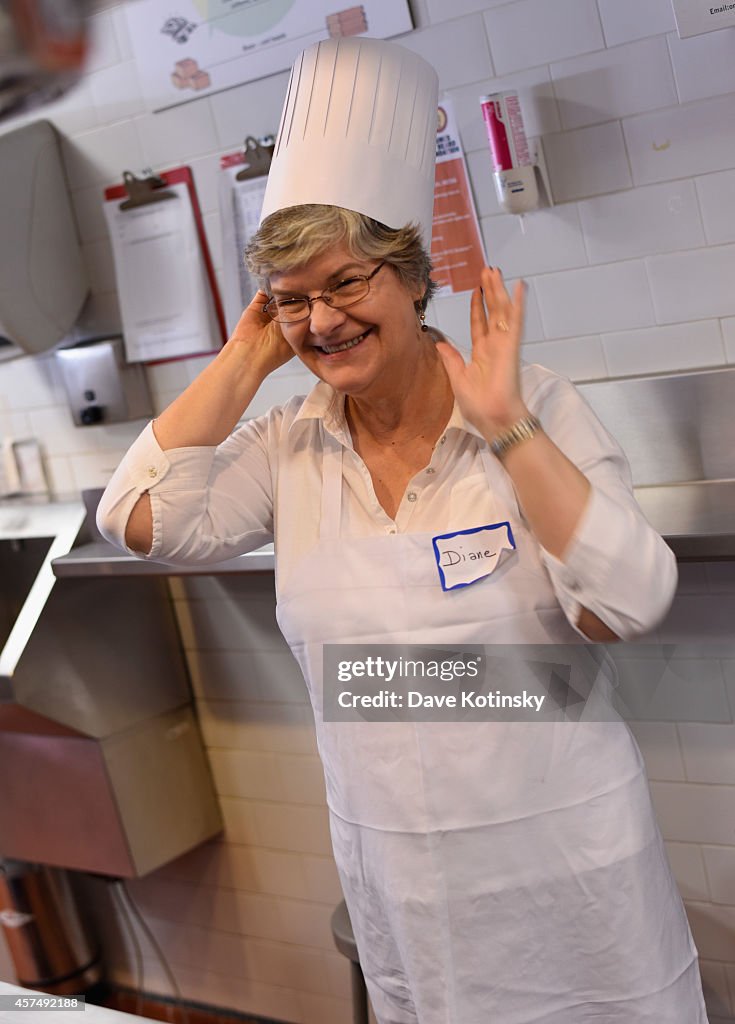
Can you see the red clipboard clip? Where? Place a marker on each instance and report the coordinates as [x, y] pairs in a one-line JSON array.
[[140, 191]]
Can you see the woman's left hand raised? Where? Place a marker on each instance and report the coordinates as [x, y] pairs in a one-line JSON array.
[[487, 388]]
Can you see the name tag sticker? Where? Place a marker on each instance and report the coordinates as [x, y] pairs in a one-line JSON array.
[[467, 556]]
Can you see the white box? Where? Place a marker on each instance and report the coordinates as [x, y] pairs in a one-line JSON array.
[[693, 17]]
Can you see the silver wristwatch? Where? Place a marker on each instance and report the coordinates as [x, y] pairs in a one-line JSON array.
[[522, 430]]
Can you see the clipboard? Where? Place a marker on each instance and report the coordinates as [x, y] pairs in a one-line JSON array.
[[243, 177], [142, 197]]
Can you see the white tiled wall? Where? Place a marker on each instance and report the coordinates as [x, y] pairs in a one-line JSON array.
[[630, 273]]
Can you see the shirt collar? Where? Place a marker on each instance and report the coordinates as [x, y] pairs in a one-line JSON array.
[[325, 404]]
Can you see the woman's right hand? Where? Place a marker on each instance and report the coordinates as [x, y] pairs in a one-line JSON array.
[[262, 335]]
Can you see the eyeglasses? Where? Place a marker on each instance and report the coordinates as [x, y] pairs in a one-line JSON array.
[[291, 309]]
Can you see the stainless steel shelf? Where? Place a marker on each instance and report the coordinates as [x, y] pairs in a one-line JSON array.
[[102, 559]]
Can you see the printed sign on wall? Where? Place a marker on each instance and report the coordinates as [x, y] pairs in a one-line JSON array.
[[694, 17], [191, 48]]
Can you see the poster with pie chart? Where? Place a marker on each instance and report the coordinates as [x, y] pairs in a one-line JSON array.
[[186, 49]]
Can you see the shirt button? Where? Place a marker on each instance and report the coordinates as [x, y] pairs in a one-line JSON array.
[[411, 495], [431, 470], [391, 529], [152, 471], [443, 440]]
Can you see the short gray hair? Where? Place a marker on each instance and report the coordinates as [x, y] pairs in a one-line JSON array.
[[291, 237]]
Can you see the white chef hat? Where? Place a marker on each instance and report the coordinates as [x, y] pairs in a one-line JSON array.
[[358, 130]]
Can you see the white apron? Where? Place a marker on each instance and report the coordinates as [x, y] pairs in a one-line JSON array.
[[495, 873]]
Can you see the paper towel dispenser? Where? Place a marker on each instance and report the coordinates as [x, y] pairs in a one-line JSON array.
[[43, 280]]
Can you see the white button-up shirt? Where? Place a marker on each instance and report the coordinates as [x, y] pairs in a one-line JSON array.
[[263, 484]]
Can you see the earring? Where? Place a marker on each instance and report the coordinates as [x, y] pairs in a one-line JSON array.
[[422, 318]]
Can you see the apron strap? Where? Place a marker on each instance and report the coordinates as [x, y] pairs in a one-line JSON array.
[[330, 521]]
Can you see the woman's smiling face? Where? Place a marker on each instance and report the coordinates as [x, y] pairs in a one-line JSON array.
[[381, 330]]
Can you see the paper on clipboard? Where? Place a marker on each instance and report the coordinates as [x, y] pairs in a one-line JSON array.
[[240, 204], [165, 299]]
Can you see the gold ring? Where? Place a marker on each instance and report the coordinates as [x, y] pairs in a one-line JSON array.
[[502, 325]]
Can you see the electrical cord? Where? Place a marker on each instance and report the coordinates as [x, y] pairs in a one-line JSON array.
[[118, 900], [178, 999]]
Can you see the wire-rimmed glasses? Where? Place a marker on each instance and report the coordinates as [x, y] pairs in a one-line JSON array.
[[291, 309]]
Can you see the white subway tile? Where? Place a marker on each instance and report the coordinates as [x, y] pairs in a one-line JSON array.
[[323, 1009], [250, 109], [663, 349], [103, 50], [531, 32], [720, 577], [692, 813], [713, 928], [458, 50], [337, 968], [245, 725], [100, 156], [322, 880], [452, 316], [693, 285], [683, 141], [728, 333], [605, 298], [307, 923], [29, 382], [716, 194], [173, 136], [301, 779], [614, 83], [688, 869], [587, 162], [246, 774], [440, 10], [709, 752], [122, 33], [206, 173], [290, 827], [116, 92], [720, 864], [275, 964], [59, 476], [542, 241], [715, 988], [672, 689], [74, 112], [659, 745], [700, 623], [228, 625], [625, 20], [703, 65], [641, 221], [576, 358]]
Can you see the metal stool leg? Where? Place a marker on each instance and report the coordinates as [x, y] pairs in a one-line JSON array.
[[359, 995]]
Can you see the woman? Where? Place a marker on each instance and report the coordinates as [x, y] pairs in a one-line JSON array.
[[493, 871]]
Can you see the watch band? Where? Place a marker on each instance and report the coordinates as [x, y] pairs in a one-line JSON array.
[[521, 430]]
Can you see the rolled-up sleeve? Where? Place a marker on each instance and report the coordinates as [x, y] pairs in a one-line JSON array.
[[207, 503], [615, 565]]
